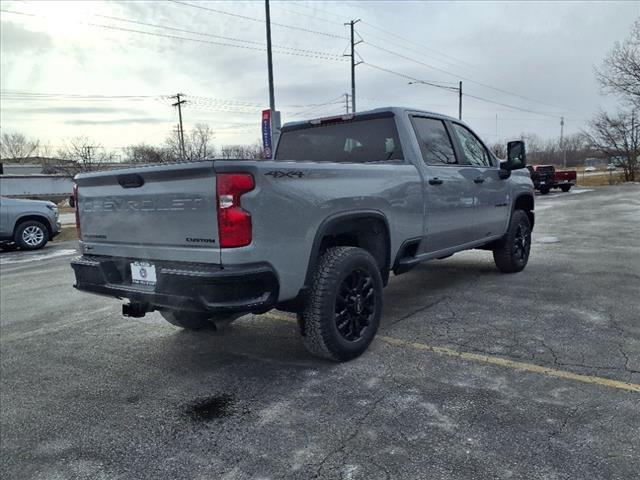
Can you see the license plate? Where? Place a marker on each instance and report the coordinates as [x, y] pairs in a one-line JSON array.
[[542, 183], [143, 273]]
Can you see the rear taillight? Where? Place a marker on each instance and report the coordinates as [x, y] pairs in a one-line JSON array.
[[234, 223], [76, 207]]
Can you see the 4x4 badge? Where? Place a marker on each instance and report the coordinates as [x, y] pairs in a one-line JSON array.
[[282, 174]]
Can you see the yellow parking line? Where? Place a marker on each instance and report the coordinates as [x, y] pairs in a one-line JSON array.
[[503, 362]]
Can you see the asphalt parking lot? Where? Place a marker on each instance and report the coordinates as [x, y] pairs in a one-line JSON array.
[[474, 374]]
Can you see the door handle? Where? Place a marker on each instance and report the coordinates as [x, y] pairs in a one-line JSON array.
[[478, 180], [435, 181]]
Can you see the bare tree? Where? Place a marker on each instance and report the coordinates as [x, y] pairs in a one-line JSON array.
[[620, 70], [199, 143], [618, 138], [574, 147], [499, 150], [143, 153], [15, 146], [233, 152], [172, 148], [78, 155]]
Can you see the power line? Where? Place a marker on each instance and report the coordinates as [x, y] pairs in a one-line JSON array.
[[194, 100], [239, 40], [255, 19], [320, 55], [404, 47], [409, 77], [315, 8], [288, 10], [460, 76], [395, 35]]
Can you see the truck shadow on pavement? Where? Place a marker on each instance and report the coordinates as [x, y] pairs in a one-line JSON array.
[[274, 338]]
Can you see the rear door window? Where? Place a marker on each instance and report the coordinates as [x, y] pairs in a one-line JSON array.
[[358, 140], [435, 143]]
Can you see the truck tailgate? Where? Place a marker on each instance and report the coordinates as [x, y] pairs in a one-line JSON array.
[[165, 212]]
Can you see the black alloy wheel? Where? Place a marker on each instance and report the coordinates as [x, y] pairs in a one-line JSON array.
[[355, 305]]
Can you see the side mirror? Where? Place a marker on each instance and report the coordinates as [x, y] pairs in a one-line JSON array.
[[516, 156]]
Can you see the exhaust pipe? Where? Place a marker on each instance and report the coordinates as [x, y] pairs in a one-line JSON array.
[[135, 310]]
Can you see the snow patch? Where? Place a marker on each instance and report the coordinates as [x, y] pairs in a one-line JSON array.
[[38, 256], [546, 240], [575, 191]]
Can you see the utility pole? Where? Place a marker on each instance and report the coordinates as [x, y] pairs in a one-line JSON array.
[[88, 149], [460, 100], [633, 155], [353, 63], [181, 130], [564, 155], [346, 102]]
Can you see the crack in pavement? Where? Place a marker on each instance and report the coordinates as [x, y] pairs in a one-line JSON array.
[[344, 443]]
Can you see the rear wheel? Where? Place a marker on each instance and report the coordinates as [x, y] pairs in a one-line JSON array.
[[197, 320], [565, 188], [31, 235], [512, 254], [343, 308]]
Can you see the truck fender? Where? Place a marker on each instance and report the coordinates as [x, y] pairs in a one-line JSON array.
[[346, 223]]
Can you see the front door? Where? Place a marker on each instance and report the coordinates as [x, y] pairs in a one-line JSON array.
[[449, 196], [5, 229], [491, 192]]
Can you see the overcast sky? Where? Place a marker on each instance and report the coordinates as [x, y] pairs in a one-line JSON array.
[[538, 56]]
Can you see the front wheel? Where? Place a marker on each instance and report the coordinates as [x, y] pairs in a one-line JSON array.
[[31, 235], [343, 307], [544, 190], [197, 320], [512, 254]]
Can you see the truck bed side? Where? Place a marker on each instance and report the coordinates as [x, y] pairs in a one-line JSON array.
[[292, 200]]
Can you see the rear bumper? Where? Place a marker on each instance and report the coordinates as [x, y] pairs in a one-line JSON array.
[[183, 286]]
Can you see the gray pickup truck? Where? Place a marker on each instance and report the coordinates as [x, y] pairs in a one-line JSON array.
[[29, 224], [316, 231]]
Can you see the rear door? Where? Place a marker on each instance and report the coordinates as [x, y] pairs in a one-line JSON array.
[[449, 199], [165, 212], [491, 192]]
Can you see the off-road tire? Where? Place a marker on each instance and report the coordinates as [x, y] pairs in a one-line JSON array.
[[319, 320], [512, 255], [31, 235], [196, 320], [565, 188]]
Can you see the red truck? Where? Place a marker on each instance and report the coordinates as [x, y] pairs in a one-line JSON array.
[[545, 177]]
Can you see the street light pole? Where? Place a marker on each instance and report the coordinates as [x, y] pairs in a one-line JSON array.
[[460, 100], [272, 100]]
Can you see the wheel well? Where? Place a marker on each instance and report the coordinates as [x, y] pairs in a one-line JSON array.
[[369, 232], [35, 218], [525, 203]]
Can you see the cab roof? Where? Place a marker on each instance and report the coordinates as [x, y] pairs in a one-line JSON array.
[[394, 110]]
